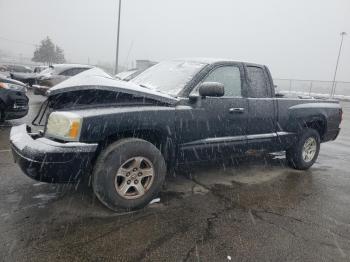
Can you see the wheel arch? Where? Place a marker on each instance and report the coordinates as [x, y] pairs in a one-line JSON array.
[[313, 115], [318, 123], [159, 138]]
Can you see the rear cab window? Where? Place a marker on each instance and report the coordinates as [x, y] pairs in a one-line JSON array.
[[259, 86]]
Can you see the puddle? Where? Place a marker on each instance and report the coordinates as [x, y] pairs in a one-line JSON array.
[[39, 184], [258, 177], [45, 197]]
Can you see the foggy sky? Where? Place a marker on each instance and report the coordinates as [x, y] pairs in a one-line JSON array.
[[295, 38]]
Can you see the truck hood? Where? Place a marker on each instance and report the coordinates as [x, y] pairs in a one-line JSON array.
[[97, 79]]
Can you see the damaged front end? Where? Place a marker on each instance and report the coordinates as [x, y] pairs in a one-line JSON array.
[[48, 157], [46, 160], [95, 89]]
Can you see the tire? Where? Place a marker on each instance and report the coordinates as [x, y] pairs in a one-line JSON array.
[[116, 166], [300, 158]]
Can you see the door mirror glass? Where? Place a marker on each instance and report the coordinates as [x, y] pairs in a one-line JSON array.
[[211, 89]]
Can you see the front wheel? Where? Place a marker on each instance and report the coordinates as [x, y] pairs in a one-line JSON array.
[[128, 174], [305, 152]]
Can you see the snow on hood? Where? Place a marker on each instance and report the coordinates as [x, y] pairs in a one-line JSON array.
[[96, 78]]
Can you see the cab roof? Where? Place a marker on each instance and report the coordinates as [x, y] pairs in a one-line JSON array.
[[209, 60]]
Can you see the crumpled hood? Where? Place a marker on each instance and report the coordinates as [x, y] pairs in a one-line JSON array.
[[97, 79]]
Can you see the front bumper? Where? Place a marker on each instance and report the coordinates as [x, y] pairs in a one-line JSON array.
[[16, 105], [48, 161]]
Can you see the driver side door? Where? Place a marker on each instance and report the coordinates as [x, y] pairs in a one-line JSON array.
[[214, 127]]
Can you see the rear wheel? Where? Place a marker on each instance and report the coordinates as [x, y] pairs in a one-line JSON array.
[[128, 174], [305, 152]]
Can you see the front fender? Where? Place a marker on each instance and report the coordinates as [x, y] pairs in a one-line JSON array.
[[103, 123]]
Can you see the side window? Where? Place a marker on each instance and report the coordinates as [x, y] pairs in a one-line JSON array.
[[258, 82], [67, 72], [229, 76], [72, 71], [79, 70]]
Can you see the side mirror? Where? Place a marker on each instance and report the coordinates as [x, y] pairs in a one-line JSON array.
[[211, 89]]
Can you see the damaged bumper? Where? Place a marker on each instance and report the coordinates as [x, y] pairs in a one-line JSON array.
[[48, 161]]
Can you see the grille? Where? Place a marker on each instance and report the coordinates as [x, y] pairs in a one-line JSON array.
[[21, 102]]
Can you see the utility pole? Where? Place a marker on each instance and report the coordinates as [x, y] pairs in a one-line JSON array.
[[118, 33], [342, 34]]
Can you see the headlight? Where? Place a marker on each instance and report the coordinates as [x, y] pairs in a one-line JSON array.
[[64, 125]]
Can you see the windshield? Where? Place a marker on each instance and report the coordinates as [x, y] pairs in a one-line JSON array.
[[168, 77]]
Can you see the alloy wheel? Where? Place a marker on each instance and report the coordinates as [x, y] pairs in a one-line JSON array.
[[134, 178]]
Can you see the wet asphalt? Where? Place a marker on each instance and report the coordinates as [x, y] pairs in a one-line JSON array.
[[255, 209]]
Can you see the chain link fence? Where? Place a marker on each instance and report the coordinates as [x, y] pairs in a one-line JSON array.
[[314, 88]]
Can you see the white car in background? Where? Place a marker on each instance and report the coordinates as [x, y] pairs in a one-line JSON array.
[[56, 74]]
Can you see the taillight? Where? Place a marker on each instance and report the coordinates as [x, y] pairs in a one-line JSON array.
[[3, 85]]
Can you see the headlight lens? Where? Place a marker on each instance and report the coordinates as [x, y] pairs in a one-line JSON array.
[[64, 125]]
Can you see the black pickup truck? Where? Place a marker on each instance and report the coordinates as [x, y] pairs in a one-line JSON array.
[[128, 134]]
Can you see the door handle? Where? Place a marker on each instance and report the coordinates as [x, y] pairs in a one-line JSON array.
[[238, 110]]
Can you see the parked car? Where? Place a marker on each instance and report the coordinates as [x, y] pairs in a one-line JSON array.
[[29, 78], [39, 69], [56, 74], [18, 68], [13, 99], [60, 72], [3, 68], [26, 78], [128, 75], [128, 134]]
